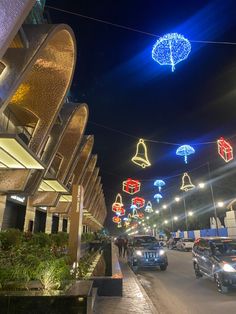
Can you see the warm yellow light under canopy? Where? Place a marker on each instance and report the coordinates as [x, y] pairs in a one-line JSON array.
[[65, 198], [14, 155], [51, 186]]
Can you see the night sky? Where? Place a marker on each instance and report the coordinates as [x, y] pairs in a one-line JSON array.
[[129, 92]]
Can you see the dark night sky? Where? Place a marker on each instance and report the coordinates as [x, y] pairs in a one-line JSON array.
[[127, 91]]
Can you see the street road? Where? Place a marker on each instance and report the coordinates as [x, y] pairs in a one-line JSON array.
[[177, 291]]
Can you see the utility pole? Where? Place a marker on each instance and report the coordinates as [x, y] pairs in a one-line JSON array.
[[213, 197]]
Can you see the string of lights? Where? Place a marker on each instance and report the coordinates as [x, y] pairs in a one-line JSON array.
[[133, 29], [154, 141]]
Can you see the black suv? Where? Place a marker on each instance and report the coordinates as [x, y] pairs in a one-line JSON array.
[[146, 251], [215, 257]]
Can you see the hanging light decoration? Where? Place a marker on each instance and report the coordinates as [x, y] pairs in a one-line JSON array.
[[225, 150], [171, 49], [138, 201], [159, 184], [131, 186], [140, 215], [134, 211], [119, 225], [186, 183], [158, 197], [148, 207], [141, 158], [116, 219], [185, 151], [117, 205]]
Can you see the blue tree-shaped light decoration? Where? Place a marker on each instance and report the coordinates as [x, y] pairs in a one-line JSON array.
[[158, 197], [185, 150], [159, 184], [171, 49]]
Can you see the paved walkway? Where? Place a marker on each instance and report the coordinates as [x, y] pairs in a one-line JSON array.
[[133, 301]]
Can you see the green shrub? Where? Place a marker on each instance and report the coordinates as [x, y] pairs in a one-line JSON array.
[[41, 239], [10, 238], [60, 239]]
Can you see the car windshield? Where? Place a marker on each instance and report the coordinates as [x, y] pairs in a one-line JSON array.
[[145, 240], [226, 247], [188, 240]]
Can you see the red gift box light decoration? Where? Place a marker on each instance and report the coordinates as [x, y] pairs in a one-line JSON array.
[[131, 186], [138, 201], [225, 150]]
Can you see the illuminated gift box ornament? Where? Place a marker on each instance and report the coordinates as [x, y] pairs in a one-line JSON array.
[[225, 150], [131, 186], [138, 201], [116, 219], [117, 205]]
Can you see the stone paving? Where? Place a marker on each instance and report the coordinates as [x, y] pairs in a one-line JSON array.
[[133, 301]]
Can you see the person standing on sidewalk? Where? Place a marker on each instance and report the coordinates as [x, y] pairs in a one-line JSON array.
[[125, 246]]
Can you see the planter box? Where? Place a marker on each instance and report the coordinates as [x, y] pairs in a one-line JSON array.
[[76, 300]]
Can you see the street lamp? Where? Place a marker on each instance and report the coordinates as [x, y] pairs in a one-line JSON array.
[[157, 211], [177, 199], [147, 217], [166, 222], [190, 213], [164, 206], [176, 218], [220, 204], [201, 185]]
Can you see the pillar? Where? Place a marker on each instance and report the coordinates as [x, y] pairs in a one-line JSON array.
[[60, 225], [29, 218], [48, 226], [3, 199], [76, 227], [68, 225]]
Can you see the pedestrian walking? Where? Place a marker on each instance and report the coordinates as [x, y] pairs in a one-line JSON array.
[[125, 246], [119, 243]]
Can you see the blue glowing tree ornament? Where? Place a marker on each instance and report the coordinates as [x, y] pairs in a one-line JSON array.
[[185, 150], [159, 184], [171, 49], [158, 197]]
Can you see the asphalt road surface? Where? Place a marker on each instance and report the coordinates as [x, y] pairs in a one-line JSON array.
[[177, 291]]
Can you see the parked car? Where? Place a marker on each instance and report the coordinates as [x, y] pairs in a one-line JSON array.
[[185, 244], [171, 243], [145, 251], [215, 257]]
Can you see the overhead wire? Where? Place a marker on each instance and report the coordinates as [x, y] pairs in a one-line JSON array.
[[131, 28]]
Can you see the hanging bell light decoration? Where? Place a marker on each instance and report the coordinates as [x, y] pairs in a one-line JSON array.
[[138, 201], [119, 225], [141, 158], [186, 183], [117, 205], [134, 211], [148, 207]]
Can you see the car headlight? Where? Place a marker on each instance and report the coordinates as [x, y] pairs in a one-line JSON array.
[[228, 268], [161, 252], [138, 252]]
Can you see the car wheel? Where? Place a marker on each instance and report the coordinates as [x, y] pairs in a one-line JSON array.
[[197, 271], [163, 267], [220, 286]]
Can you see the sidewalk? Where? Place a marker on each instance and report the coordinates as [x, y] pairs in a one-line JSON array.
[[133, 301]]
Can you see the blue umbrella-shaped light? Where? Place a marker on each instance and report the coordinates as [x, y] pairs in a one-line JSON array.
[[185, 151], [171, 49], [158, 197], [159, 184]]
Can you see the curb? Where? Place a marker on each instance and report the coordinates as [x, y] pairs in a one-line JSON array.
[[150, 303]]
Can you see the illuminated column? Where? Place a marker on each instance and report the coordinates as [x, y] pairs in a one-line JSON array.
[[76, 227], [3, 199], [48, 226], [60, 225], [29, 217]]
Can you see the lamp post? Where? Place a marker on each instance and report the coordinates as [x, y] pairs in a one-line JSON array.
[[177, 199], [213, 198]]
